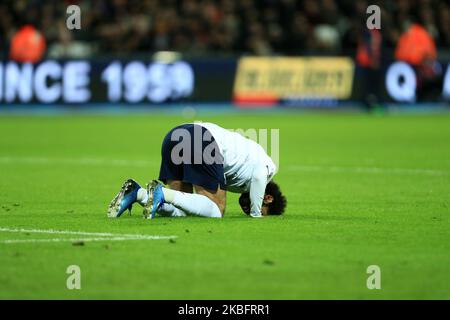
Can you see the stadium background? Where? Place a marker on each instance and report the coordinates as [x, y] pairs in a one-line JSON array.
[[364, 146], [190, 51]]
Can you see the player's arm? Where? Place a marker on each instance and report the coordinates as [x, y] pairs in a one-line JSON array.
[[257, 190]]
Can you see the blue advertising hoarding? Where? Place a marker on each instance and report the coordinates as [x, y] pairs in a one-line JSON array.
[[273, 81]]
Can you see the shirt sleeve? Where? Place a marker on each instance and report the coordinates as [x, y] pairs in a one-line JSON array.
[[257, 190]]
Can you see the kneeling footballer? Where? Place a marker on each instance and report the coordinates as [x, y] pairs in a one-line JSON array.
[[200, 163]]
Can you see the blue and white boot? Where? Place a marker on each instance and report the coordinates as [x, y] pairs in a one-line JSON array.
[[124, 199], [155, 199]]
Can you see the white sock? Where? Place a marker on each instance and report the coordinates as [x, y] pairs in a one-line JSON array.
[[169, 210], [191, 203], [142, 196]]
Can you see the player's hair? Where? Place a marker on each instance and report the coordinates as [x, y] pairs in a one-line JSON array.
[[279, 200]]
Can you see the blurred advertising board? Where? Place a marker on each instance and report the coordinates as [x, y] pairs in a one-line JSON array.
[[131, 81], [280, 79], [248, 82], [83, 81], [409, 84]]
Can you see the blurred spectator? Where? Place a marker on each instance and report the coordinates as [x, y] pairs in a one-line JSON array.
[[216, 26], [417, 47], [368, 59], [27, 45], [326, 38]]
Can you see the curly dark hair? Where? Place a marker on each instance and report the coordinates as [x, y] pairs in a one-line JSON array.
[[279, 200], [275, 208]]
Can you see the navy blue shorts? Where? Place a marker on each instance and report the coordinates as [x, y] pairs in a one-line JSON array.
[[207, 174]]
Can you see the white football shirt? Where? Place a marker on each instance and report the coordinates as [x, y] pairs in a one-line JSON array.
[[247, 167]]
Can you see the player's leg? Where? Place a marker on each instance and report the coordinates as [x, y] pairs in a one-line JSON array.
[[179, 201], [206, 203], [206, 176], [171, 174], [131, 191], [180, 186], [219, 196], [168, 209]]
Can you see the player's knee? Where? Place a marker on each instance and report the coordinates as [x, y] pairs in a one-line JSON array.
[[217, 208], [221, 204], [222, 210]]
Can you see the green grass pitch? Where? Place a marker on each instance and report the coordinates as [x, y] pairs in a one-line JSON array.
[[362, 190]]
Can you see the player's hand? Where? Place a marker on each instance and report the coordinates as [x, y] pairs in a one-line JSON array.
[[256, 215]]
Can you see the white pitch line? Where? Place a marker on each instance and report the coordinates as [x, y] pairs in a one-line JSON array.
[[9, 241], [95, 236], [376, 170], [79, 161], [144, 163], [82, 233]]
